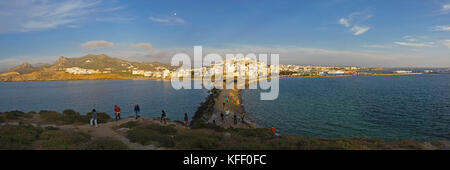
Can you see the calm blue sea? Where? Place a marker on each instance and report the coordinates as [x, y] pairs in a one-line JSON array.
[[387, 107], [83, 96]]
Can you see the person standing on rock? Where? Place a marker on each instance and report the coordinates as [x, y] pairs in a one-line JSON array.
[[186, 119], [117, 111], [163, 116], [273, 130], [137, 109], [93, 118]]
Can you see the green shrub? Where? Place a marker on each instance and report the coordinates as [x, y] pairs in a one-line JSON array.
[[197, 141], [259, 133], [51, 128], [64, 140], [147, 135], [51, 116], [101, 117], [70, 117], [130, 125], [14, 115], [2, 119], [18, 137], [107, 144], [203, 125]]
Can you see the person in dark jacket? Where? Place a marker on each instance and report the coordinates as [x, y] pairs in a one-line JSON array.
[[235, 119], [186, 119], [94, 118], [137, 109], [163, 116]]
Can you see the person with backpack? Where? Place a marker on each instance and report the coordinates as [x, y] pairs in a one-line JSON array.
[[163, 116], [117, 112], [93, 118], [137, 109], [186, 119]]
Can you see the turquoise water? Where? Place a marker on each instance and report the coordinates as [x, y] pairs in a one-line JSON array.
[[83, 96], [386, 107]]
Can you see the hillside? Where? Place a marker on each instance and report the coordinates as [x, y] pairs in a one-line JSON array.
[[70, 130], [105, 67]]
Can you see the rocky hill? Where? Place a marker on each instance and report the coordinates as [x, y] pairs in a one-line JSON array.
[[110, 68]]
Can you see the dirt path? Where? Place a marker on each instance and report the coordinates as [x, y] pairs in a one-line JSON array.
[[107, 130]]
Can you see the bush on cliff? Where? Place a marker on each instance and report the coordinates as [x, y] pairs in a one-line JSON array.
[[71, 117], [102, 117], [151, 134], [18, 137], [107, 143], [64, 140], [15, 115]]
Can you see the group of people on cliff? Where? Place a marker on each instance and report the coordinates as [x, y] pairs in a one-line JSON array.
[[137, 110]]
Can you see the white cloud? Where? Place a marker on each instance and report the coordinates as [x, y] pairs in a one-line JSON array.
[[446, 43], [145, 46], [446, 7], [410, 44], [344, 21], [354, 21], [96, 45], [441, 28], [329, 57], [358, 30], [379, 46], [33, 15], [168, 20]]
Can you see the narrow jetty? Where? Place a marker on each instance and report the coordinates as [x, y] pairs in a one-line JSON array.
[[221, 107]]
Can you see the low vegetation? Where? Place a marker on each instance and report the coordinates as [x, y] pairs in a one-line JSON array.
[[210, 137], [18, 137], [21, 133], [205, 109], [25, 137], [71, 117]]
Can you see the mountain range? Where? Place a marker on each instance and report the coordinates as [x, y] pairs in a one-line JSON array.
[[115, 69]]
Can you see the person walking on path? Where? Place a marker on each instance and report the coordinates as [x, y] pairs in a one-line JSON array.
[[273, 130], [117, 111], [137, 109], [93, 118], [186, 119], [235, 119], [163, 116]]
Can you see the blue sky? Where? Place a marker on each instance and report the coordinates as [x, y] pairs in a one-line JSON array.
[[329, 32]]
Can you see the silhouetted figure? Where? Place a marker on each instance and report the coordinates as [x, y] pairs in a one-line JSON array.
[[137, 109], [235, 119], [186, 119], [163, 117]]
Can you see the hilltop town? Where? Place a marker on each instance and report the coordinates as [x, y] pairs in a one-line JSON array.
[[94, 67]]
